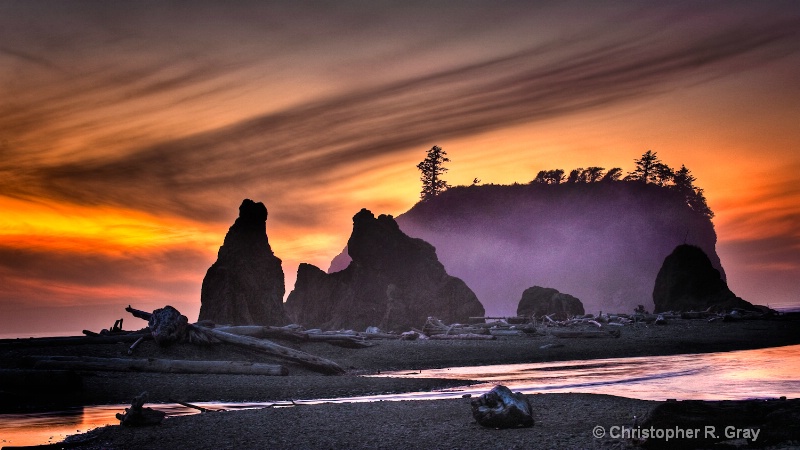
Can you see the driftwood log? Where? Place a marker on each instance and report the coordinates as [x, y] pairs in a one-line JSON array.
[[760, 422], [76, 340], [138, 416], [463, 337], [293, 334], [156, 365], [614, 333], [304, 359], [501, 408]]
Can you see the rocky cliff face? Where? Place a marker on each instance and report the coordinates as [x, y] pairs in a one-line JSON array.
[[393, 281], [540, 301], [245, 286], [688, 282], [602, 242]]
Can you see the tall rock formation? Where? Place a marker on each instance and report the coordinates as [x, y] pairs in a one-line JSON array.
[[688, 282], [245, 286], [601, 242], [540, 301], [393, 281]]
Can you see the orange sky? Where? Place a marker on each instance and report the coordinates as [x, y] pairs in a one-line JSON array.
[[129, 134]]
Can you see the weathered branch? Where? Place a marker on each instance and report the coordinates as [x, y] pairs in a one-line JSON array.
[[261, 345], [264, 346], [156, 365]]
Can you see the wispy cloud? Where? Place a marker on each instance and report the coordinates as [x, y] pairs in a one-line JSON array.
[[313, 143]]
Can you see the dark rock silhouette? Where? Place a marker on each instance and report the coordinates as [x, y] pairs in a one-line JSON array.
[[601, 242], [502, 408], [393, 281], [540, 301], [688, 282], [245, 286]]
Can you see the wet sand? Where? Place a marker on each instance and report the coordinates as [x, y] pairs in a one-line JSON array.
[[563, 420]]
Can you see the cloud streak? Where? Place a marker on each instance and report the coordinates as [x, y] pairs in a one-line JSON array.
[[315, 142]]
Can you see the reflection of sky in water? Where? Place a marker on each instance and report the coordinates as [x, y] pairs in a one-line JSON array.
[[763, 373]]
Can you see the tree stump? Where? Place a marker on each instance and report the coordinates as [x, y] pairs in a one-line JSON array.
[[137, 416], [168, 325], [501, 408]]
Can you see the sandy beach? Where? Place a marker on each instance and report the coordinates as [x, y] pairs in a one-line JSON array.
[[562, 420]]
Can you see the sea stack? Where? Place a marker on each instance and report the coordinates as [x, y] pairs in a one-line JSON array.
[[393, 282], [539, 301], [688, 282], [245, 286]]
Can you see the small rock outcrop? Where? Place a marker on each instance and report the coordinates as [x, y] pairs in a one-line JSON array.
[[687, 281], [245, 286], [540, 301], [393, 281]]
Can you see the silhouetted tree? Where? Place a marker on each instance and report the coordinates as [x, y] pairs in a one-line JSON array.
[[664, 174], [432, 169], [613, 174], [576, 176], [650, 169], [549, 177], [593, 174], [645, 167], [683, 183]]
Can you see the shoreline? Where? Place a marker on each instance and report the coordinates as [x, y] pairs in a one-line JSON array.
[[445, 422], [678, 337]]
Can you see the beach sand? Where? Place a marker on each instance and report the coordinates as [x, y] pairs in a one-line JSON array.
[[562, 420]]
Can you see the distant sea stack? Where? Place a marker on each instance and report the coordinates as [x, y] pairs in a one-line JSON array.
[[539, 301], [601, 242], [688, 282], [245, 286], [393, 281]]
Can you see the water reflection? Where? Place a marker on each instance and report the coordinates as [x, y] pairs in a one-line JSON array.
[[763, 373]]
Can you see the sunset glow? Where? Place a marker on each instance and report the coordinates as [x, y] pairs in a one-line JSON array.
[[130, 133]]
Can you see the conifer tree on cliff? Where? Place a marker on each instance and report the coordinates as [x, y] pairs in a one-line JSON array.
[[650, 169], [683, 182], [432, 169]]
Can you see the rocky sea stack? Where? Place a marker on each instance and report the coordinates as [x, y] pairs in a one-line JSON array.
[[245, 286], [393, 282], [601, 242], [539, 301], [688, 282]]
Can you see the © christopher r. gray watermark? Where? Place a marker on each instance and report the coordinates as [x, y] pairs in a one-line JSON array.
[[667, 434]]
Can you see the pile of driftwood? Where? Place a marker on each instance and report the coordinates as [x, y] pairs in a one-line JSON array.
[[167, 325], [496, 326]]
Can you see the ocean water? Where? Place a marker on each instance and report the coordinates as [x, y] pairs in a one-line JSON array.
[[762, 373]]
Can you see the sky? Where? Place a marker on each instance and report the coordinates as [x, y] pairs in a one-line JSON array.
[[130, 132]]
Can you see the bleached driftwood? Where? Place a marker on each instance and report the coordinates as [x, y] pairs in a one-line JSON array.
[[294, 334], [464, 337], [304, 359], [75, 340], [585, 334], [506, 332], [156, 365]]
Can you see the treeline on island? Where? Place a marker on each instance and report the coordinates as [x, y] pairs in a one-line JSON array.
[[649, 169]]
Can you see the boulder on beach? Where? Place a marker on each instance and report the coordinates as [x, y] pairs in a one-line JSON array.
[[393, 282], [245, 286], [502, 408], [688, 281], [540, 301]]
